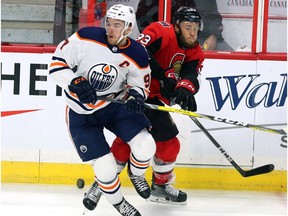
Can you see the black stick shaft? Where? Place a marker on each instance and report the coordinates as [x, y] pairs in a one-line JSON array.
[[256, 171], [253, 172]]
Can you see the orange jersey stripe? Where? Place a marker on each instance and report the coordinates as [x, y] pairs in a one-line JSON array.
[[97, 105], [112, 187], [58, 64], [93, 41], [134, 62], [139, 164]]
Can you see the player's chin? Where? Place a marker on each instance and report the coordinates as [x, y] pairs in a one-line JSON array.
[[112, 40], [192, 41], [190, 44]]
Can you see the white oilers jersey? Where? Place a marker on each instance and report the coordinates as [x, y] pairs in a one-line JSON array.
[[109, 69]]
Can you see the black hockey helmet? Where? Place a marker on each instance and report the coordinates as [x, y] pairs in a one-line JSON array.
[[188, 14]]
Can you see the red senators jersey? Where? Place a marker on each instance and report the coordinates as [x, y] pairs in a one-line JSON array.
[[161, 40]]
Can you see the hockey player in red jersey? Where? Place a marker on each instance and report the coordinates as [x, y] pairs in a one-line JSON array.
[[176, 60], [104, 62]]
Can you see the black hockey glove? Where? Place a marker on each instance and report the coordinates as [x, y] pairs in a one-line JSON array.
[[84, 91], [135, 102], [168, 83], [185, 95]]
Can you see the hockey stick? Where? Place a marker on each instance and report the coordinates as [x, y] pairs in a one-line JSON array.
[[257, 171], [199, 115]]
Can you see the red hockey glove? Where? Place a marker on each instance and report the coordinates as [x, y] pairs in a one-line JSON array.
[[185, 95], [168, 83], [84, 91]]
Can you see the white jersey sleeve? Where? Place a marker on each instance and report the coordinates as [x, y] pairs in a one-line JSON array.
[[66, 57], [109, 69]]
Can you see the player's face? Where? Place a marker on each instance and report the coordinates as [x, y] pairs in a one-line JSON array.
[[189, 33], [114, 30]]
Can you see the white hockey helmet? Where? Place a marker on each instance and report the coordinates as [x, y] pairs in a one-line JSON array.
[[124, 13]]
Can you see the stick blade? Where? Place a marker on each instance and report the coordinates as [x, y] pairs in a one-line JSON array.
[[281, 131], [259, 170]]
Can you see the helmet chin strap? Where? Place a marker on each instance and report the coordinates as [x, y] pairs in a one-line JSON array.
[[122, 35]]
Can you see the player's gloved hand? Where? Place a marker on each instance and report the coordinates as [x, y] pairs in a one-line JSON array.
[[135, 102], [168, 83], [83, 89], [185, 95]]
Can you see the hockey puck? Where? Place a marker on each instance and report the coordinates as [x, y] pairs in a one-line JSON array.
[[80, 183]]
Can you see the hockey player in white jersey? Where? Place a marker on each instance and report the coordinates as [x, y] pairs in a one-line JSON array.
[[105, 62]]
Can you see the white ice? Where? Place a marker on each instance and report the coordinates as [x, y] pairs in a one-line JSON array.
[[63, 200]]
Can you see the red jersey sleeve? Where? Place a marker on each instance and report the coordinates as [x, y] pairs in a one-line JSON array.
[[154, 32]]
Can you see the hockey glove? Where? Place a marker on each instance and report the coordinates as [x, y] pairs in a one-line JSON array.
[[135, 102], [168, 83], [185, 95], [84, 91]]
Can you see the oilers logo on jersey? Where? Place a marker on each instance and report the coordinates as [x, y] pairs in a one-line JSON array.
[[109, 69], [102, 76]]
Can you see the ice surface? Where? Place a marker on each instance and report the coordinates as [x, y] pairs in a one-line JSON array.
[[66, 200]]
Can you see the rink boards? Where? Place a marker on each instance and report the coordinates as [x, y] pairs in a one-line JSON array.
[[36, 146]]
